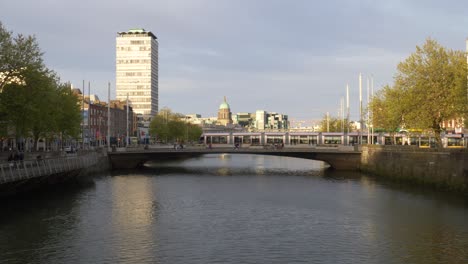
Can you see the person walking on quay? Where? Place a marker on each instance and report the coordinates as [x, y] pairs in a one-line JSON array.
[[11, 159], [21, 157]]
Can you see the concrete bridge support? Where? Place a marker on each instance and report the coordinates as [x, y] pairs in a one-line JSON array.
[[339, 160]]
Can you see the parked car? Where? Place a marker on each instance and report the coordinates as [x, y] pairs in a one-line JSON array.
[[69, 149]]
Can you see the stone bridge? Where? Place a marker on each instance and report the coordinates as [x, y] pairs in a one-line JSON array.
[[337, 158]]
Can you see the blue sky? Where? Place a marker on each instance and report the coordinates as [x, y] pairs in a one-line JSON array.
[[294, 57]]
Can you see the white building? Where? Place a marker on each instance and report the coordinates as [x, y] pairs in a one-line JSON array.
[[270, 120], [137, 72]]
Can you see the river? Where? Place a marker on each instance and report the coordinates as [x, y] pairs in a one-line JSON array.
[[235, 209]]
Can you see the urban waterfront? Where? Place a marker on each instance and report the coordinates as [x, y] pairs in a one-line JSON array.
[[235, 209]]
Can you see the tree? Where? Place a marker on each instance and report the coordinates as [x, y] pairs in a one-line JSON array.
[[169, 126], [26, 107], [432, 85], [69, 118], [17, 55], [194, 132], [387, 109], [33, 102], [334, 124]]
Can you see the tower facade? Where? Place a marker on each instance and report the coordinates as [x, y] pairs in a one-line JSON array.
[[224, 113], [137, 72]]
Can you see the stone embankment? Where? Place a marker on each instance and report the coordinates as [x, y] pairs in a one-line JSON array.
[[445, 169]]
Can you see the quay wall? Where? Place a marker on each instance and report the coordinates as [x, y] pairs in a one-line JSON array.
[[52, 173], [445, 169]]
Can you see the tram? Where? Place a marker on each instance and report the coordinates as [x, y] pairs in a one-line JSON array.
[[329, 139]]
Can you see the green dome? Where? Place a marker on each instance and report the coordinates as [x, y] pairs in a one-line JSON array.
[[224, 105]]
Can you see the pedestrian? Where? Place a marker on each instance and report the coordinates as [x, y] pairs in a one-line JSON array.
[[21, 157]]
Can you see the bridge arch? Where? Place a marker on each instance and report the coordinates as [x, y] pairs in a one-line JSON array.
[[339, 160]]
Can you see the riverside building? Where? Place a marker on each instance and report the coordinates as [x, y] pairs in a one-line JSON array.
[[137, 72]]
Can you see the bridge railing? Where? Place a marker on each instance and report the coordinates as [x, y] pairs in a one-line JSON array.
[[22, 170]]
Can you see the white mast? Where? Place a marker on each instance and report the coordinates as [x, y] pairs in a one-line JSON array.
[[108, 118], [342, 114], [82, 117], [347, 107], [367, 112], [360, 108], [372, 113]]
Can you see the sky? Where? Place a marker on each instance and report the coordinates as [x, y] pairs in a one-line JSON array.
[[292, 57]]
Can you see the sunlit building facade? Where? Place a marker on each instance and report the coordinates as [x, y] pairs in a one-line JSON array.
[[137, 72]]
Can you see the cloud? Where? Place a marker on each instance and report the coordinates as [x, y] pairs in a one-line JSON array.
[[293, 57]]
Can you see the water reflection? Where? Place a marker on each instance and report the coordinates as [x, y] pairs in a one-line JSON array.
[[238, 209], [134, 212]]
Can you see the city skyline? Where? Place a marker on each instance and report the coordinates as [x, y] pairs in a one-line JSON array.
[[294, 58]]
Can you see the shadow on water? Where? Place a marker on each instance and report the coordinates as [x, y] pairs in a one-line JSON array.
[[38, 198]]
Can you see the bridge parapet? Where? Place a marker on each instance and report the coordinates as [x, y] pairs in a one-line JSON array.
[[337, 158]]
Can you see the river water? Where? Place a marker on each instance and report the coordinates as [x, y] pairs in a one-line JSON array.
[[235, 209]]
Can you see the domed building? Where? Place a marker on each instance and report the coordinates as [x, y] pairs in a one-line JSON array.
[[224, 113]]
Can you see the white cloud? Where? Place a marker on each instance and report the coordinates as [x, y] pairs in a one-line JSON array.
[[287, 56]]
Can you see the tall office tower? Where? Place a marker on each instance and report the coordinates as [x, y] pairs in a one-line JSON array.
[[137, 72]]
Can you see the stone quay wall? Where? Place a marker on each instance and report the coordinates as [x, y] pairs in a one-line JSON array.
[[445, 169]]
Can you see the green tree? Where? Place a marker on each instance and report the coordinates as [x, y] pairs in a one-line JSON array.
[[432, 82], [42, 93], [387, 109], [17, 55], [169, 127], [194, 132], [40, 107], [33, 102], [334, 124], [69, 118]]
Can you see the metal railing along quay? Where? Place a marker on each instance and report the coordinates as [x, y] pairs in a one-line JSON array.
[[27, 169]]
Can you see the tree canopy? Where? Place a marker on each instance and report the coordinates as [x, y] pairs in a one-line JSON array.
[[172, 127], [33, 102], [17, 54], [430, 87], [334, 124]]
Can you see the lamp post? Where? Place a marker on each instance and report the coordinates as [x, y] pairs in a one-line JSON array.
[[127, 135], [108, 118]]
